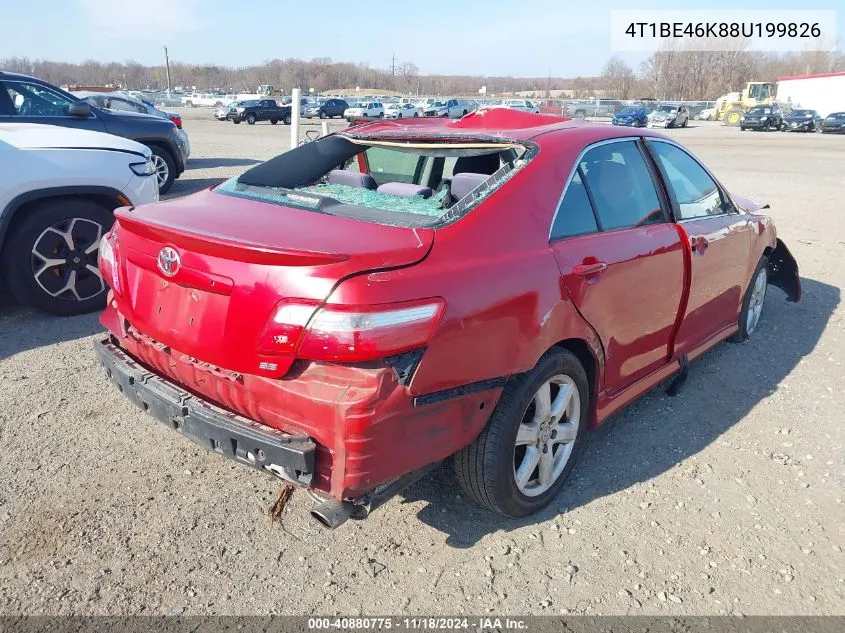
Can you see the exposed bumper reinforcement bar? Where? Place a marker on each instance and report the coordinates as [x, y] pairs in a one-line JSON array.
[[289, 457]]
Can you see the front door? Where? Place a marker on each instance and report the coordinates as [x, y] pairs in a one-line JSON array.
[[621, 259], [718, 238], [25, 102]]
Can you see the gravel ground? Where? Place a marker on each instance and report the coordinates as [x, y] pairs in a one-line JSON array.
[[724, 499]]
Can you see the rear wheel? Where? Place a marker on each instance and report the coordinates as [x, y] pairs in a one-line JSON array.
[[580, 114], [416, 114], [274, 121], [323, 114], [250, 118], [752, 302], [286, 119], [236, 121], [165, 168], [50, 260], [523, 456]]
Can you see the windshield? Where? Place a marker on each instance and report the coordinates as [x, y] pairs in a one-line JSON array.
[[629, 111], [837, 115], [667, 108], [249, 104], [438, 104], [760, 110], [399, 188], [801, 113]]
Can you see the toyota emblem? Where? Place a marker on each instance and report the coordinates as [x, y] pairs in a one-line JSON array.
[[169, 261]]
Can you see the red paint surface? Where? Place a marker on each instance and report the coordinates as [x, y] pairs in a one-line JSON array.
[[509, 296]]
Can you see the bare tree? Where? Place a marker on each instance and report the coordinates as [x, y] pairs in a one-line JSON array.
[[618, 78]]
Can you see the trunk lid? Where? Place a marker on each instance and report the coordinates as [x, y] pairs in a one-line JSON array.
[[237, 259]]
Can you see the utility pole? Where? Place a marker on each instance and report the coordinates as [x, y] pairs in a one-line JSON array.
[[167, 68], [393, 72], [550, 82]]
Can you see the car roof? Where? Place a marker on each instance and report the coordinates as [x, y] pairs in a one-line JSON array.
[[497, 123]]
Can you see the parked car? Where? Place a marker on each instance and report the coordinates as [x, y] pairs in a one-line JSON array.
[[57, 194], [802, 121], [364, 110], [521, 104], [119, 102], [669, 115], [326, 109], [26, 99], [401, 111], [221, 113], [261, 110], [707, 114], [632, 116], [342, 342], [449, 108], [207, 99], [764, 118], [834, 123]]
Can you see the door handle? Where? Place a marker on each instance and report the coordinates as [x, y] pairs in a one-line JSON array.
[[584, 270], [699, 244]]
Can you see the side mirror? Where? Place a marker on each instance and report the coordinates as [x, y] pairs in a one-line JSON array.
[[79, 109]]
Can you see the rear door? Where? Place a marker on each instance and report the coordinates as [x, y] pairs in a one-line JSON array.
[[620, 258], [719, 241]]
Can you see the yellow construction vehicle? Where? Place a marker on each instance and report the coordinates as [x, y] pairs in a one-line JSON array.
[[730, 107]]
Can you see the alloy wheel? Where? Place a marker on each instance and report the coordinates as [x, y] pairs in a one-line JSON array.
[[755, 303], [546, 435], [64, 260], [162, 171]]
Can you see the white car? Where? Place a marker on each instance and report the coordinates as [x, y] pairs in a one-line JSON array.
[[366, 110], [58, 191], [401, 111], [521, 104]]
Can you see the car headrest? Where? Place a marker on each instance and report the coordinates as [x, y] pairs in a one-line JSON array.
[[351, 179], [405, 189], [465, 182]]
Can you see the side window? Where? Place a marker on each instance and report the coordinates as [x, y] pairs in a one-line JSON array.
[[34, 100], [391, 166], [694, 191], [621, 186], [575, 214]]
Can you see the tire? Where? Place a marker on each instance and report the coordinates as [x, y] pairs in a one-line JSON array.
[[580, 114], [634, 124], [742, 128], [416, 114], [165, 168], [274, 121], [236, 121], [732, 116], [286, 119], [465, 113], [486, 469], [250, 119], [755, 296], [685, 122], [323, 114], [381, 115], [69, 288], [189, 104]]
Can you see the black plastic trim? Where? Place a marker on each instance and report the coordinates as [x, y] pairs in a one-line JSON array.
[[457, 392], [290, 457]]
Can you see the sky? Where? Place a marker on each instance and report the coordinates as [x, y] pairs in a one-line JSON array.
[[473, 37]]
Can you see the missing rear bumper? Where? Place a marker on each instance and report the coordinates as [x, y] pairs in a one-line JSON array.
[[289, 457]]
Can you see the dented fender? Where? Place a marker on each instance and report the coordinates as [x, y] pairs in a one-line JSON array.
[[783, 271]]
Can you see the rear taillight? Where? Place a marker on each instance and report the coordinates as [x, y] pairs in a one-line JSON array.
[[177, 120], [107, 261], [350, 333]]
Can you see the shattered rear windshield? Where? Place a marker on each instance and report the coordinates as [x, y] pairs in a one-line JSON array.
[[425, 182]]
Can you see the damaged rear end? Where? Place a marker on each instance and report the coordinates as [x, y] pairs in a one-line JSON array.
[[224, 324]]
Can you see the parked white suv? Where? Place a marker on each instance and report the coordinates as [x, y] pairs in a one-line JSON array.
[[57, 194]]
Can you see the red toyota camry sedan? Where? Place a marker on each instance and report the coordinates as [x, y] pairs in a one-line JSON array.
[[351, 313]]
